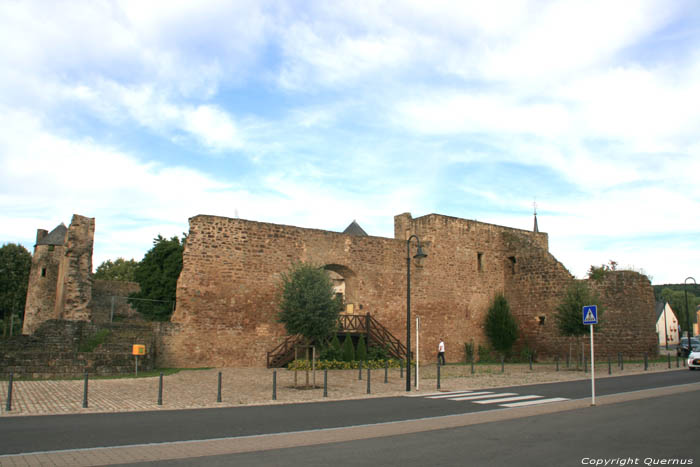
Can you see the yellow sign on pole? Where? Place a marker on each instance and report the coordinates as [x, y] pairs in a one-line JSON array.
[[138, 349]]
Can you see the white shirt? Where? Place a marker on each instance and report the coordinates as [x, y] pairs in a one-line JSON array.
[[441, 346]]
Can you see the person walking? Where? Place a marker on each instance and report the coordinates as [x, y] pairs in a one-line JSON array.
[[441, 352]]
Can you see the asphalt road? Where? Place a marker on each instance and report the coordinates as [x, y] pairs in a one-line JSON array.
[[61, 432], [655, 431]]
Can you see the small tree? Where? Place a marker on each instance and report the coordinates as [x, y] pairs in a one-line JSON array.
[[15, 264], [569, 314], [501, 327], [308, 304], [361, 353], [348, 349], [157, 275], [117, 270]]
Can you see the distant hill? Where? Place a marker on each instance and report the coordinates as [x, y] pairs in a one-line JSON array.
[[692, 288]]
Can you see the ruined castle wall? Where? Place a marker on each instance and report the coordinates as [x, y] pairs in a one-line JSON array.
[[109, 300], [60, 279], [42, 288], [467, 266], [227, 295], [77, 265]]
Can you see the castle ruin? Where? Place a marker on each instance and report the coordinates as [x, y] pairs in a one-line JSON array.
[[227, 292]]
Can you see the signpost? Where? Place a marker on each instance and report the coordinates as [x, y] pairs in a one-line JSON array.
[[590, 317], [137, 350]]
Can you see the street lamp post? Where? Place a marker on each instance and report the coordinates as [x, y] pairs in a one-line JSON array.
[[419, 254], [687, 312]]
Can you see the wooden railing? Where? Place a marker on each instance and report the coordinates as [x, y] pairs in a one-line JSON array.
[[377, 336], [284, 352]]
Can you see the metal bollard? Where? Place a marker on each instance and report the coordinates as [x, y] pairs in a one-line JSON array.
[[609, 366], [677, 362], [325, 382], [472, 364], [359, 373], [556, 359], [530, 362], [503, 364], [8, 404], [646, 361], [622, 364], [274, 385], [401, 367], [369, 377], [160, 390], [438, 376], [218, 393], [669, 360], [85, 391], [619, 360], [386, 371], [585, 364]]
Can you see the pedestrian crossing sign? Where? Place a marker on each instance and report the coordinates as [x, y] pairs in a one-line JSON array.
[[590, 314]]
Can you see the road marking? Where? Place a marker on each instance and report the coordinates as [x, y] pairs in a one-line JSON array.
[[455, 394], [437, 393], [487, 396], [535, 402], [507, 399]]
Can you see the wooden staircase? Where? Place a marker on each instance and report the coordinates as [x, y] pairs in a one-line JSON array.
[[376, 334]]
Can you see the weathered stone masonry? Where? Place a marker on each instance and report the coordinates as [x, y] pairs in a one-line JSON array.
[[227, 291]]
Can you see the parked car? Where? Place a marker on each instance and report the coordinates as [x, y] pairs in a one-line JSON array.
[[694, 360], [682, 348]]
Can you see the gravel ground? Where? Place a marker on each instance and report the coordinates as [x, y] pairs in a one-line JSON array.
[[253, 386]]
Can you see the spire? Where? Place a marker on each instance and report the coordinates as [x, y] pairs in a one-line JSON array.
[[536, 228]]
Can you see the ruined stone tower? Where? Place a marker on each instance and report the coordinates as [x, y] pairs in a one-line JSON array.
[[60, 283]]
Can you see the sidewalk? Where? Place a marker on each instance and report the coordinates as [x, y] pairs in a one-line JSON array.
[[190, 389]]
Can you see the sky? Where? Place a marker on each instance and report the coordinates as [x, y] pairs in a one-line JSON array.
[[315, 114]]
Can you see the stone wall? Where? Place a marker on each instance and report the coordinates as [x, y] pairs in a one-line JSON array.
[[77, 282], [43, 280], [55, 350], [60, 279], [227, 296], [109, 301]]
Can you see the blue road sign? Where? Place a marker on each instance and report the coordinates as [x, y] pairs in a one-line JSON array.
[[590, 314]]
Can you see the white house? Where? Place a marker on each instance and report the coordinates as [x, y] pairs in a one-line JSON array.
[[666, 319]]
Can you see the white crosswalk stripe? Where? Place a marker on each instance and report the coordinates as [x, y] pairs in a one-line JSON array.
[[507, 399], [502, 399]]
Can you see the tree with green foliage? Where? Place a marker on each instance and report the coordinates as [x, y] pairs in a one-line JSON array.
[[348, 349], [117, 270], [361, 353], [500, 326], [15, 264], [569, 313], [157, 275], [308, 304]]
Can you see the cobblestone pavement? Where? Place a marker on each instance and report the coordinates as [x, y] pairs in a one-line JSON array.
[[254, 386]]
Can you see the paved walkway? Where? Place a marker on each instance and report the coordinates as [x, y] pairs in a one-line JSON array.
[[254, 386]]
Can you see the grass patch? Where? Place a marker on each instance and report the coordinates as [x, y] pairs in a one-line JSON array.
[[95, 341]]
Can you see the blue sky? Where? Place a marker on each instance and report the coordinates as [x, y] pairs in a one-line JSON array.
[[143, 114]]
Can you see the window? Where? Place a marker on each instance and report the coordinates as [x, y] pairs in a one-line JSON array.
[[43, 272], [479, 265], [512, 264]]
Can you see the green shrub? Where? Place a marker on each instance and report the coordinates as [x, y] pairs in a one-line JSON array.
[[378, 353], [348, 349], [302, 365], [331, 351], [361, 353], [95, 341]]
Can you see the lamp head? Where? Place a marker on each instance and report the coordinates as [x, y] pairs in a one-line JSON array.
[[420, 254]]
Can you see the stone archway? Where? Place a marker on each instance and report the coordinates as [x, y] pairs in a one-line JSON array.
[[345, 284]]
